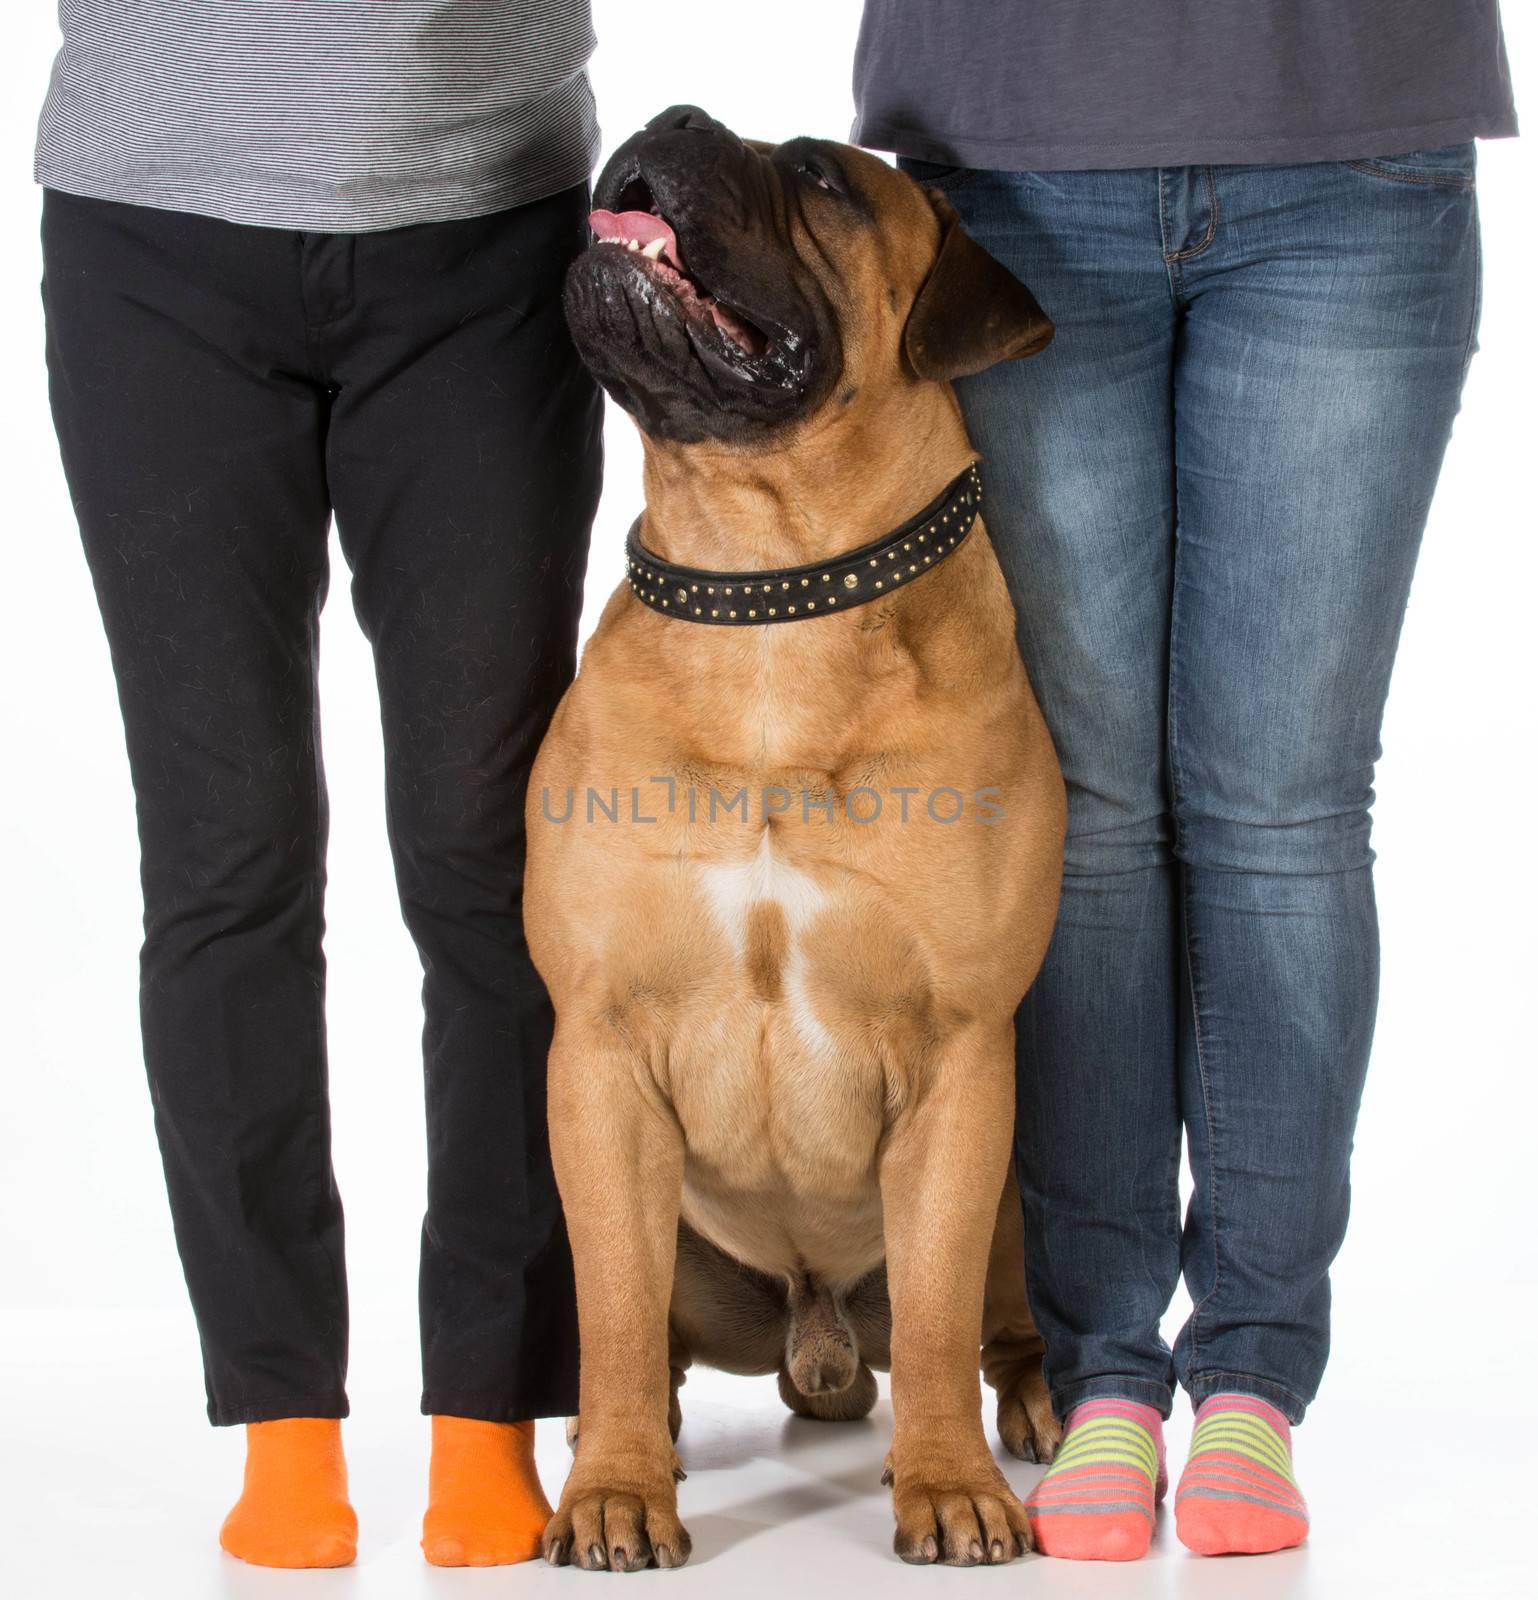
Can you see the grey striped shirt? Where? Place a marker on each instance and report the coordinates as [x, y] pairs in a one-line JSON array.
[[332, 115]]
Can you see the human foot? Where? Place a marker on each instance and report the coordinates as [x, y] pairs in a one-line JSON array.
[[485, 1506], [293, 1510], [1097, 1500], [1237, 1495]]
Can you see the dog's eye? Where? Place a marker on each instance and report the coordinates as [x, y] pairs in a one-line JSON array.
[[810, 169]]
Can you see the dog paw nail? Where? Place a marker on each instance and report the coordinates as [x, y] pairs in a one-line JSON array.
[[996, 1550], [664, 1555], [931, 1548]]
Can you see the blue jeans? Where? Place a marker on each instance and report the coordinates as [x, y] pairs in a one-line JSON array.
[[1207, 495]]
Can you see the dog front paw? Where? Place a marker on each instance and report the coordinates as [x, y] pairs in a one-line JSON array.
[[616, 1528], [958, 1521]]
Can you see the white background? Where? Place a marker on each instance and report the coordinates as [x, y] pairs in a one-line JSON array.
[[108, 1475]]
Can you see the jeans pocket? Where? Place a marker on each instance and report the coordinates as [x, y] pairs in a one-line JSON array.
[[933, 172], [1448, 166]]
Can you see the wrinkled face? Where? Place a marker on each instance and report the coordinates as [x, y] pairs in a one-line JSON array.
[[733, 287]]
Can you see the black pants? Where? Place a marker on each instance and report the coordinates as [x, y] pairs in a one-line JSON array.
[[218, 392]]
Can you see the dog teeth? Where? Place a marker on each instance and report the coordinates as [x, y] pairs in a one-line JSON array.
[[652, 251]]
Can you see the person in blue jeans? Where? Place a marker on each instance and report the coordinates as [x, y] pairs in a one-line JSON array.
[[1255, 230]]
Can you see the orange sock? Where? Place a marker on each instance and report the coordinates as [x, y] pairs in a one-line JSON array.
[[293, 1510], [485, 1506]]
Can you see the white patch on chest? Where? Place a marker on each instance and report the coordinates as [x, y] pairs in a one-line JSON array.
[[734, 888], [809, 1030]]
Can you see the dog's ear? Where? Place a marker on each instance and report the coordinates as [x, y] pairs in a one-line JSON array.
[[971, 311]]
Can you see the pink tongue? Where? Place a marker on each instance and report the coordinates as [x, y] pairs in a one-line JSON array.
[[640, 225]]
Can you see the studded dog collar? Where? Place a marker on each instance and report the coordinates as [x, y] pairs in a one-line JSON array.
[[789, 594]]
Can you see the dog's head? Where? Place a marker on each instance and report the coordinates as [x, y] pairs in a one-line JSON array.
[[737, 289]]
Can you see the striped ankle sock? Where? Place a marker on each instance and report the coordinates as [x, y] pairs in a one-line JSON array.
[[1237, 1495], [1096, 1502]]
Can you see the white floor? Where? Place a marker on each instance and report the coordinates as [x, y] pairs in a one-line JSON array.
[[112, 1485]]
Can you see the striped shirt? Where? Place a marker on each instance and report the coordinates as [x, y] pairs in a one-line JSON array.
[[332, 115]]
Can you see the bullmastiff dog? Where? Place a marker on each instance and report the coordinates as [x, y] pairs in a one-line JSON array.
[[795, 841]]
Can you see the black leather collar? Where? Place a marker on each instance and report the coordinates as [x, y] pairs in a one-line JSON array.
[[790, 594]]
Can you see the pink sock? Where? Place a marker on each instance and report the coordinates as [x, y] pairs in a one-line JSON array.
[[1237, 1495], [1097, 1501]]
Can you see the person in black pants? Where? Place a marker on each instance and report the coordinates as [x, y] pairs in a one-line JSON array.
[[220, 391]]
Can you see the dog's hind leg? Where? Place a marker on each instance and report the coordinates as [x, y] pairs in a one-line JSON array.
[[1012, 1348]]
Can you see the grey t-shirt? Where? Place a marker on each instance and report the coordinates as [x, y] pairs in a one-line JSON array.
[[335, 115], [1074, 84]]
